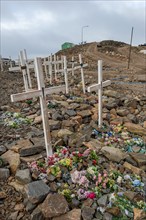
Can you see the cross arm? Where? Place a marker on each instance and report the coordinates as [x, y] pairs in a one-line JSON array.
[[95, 87]]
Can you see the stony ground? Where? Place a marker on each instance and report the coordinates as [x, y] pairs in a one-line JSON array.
[[94, 173]]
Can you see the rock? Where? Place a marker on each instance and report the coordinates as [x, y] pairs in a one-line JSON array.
[[2, 149], [57, 116], [135, 128], [74, 214], [111, 93], [19, 207], [130, 195], [114, 211], [144, 124], [29, 207], [117, 121], [87, 213], [88, 202], [139, 158], [111, 104], [13, 159], [107, 216], [139, 214], [84, 113], [132, 103], [98, 215], [94, 145], [5, 108], [77, 119], [130, 160], [4, 174], [113, 154], [102, 201], [36, 191], [64, 132], [13, 215], [77, 139], [37, 214], [122, 112], [29, 151], [17, 186], [54, 205], [21, 144], [75, 203], [33, 157], [23, 176], [37, 120], [132, 168], [53, 187], [132, 118], [54, 125], [2, 195], [71, 112]]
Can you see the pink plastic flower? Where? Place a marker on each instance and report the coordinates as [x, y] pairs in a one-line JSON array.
[[104, 185], [91, 195]]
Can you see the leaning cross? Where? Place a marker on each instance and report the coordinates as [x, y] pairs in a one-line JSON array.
[[99, 87], [41, 93]]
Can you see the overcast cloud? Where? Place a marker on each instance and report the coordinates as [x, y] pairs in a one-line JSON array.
[[42, 26]]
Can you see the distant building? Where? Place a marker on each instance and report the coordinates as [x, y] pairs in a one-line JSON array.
[[67, 45]]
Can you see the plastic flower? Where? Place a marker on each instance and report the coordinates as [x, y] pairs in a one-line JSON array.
[[84, 181], [91, 195], [137, 183]]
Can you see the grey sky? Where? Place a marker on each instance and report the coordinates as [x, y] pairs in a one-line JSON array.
[[42, 26]]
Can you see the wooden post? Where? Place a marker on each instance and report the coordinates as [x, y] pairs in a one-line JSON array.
[[55, 69], [41, 86], [50, 69], [100, 93], [57, 63], [130, 47], [73, 71], [99, 87], [23, 67], [62, 64], [82, 73], [27, 68], [46, 69], [65, 74], [25, 55]]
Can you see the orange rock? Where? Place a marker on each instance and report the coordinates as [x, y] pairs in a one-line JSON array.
[[132, 168]]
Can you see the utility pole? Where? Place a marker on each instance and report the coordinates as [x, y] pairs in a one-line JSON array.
[[130, 47]]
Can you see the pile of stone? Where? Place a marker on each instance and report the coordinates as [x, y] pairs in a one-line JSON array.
[[51, 191]]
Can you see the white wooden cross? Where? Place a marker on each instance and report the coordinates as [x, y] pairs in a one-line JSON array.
[[41, 93], [99, 87], [25, 68]]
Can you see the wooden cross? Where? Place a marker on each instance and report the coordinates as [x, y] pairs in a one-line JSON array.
[[99, 87], [41, 93], [25, 68]]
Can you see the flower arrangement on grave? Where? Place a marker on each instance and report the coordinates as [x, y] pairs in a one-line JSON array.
[[92, 181], [54, 170], [14, 119]]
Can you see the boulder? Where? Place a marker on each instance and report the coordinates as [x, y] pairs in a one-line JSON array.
[[113, 154], [36, 191], [74, 214], [13, 159], [135, 128], [23, 176], [54, 205]]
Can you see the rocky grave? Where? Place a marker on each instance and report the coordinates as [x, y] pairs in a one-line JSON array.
[[94, 173]]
